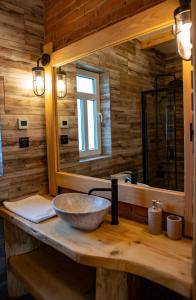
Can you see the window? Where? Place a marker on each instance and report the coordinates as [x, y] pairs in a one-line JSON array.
[[88, 107]]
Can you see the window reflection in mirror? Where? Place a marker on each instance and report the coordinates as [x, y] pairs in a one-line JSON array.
[[125, 115], [88, 108]]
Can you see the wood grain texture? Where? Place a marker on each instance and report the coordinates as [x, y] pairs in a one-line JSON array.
[[50, 109], [68, 21], [193, 6], [21, 37], [16, 242], [188, 147], [48, 274], [111, 285], [157, 39], [127, 247], [172, 201], [132, 27]]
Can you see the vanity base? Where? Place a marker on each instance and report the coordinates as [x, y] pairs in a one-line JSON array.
[[112, 250], [111, 285]]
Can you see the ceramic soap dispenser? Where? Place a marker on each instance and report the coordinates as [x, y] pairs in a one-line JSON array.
[[155, 218]]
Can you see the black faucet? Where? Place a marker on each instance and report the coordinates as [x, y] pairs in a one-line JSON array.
[[114, 191], [131, 178]]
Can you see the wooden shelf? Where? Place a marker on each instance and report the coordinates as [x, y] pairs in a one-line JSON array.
[[48, 274]]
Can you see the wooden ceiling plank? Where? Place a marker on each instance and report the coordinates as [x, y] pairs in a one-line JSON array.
[[157, 39]]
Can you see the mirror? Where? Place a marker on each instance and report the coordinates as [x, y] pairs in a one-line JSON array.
[[122, 115]]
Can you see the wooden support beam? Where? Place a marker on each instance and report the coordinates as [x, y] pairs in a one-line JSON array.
[[111, 285], [50, 109], [193, 204], [188, 147], [157, 39]]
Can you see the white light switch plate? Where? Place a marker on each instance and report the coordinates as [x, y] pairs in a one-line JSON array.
[[64, 122], [23, 123]]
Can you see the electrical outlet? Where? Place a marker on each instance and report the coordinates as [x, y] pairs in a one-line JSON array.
[[24, 142], [64, 139]]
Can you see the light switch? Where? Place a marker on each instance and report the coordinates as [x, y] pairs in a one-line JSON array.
[[64, 122], [23, 123]]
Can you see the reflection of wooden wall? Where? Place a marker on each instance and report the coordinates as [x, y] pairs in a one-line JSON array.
[[131, 71], [68, 21]]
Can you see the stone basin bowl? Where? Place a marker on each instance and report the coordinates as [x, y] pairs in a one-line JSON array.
[[81, 211]]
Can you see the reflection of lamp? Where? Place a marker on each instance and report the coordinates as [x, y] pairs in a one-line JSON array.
[[183, 29], [39, 75], [61, 83]]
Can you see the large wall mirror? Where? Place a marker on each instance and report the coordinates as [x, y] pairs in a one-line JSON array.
[[121, 114]]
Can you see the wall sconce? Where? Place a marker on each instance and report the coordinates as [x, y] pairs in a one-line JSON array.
[[61, 83], [39, 75], [182, 29]]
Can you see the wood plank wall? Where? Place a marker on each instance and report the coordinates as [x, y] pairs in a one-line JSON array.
[[21, 38], [25, 170], [69, 21]]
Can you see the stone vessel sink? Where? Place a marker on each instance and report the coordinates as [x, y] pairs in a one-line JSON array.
[[81, 211]]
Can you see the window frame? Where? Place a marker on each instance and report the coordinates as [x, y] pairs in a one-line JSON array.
[[88, 96]]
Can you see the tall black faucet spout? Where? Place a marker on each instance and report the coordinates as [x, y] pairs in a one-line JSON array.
[[114, 201], [114, 191]]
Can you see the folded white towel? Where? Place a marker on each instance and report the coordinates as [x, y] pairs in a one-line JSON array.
[[34, 208]]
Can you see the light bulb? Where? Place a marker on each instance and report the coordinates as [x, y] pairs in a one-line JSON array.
[[184, 41], [183, 33], [38, 81], [61, 84]]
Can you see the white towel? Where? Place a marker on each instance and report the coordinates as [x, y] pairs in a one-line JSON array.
[[34, 208]]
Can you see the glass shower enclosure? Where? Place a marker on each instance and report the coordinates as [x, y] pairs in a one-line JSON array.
[[163, 136]]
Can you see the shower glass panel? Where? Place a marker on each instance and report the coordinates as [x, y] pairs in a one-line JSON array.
[[163, 137]]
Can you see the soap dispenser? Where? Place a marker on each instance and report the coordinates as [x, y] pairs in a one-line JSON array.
[[155, 218]]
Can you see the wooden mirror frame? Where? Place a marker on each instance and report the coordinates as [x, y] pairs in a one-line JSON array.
[[152, 19]]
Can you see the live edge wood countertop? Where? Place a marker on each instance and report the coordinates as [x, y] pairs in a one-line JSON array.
[[127, 247]]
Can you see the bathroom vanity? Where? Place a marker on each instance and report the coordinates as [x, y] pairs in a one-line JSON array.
[[101, 258]]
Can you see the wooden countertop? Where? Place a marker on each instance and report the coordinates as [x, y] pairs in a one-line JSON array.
[[126, 247]]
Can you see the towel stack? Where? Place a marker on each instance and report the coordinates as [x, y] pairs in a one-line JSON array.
[[34, 208]]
